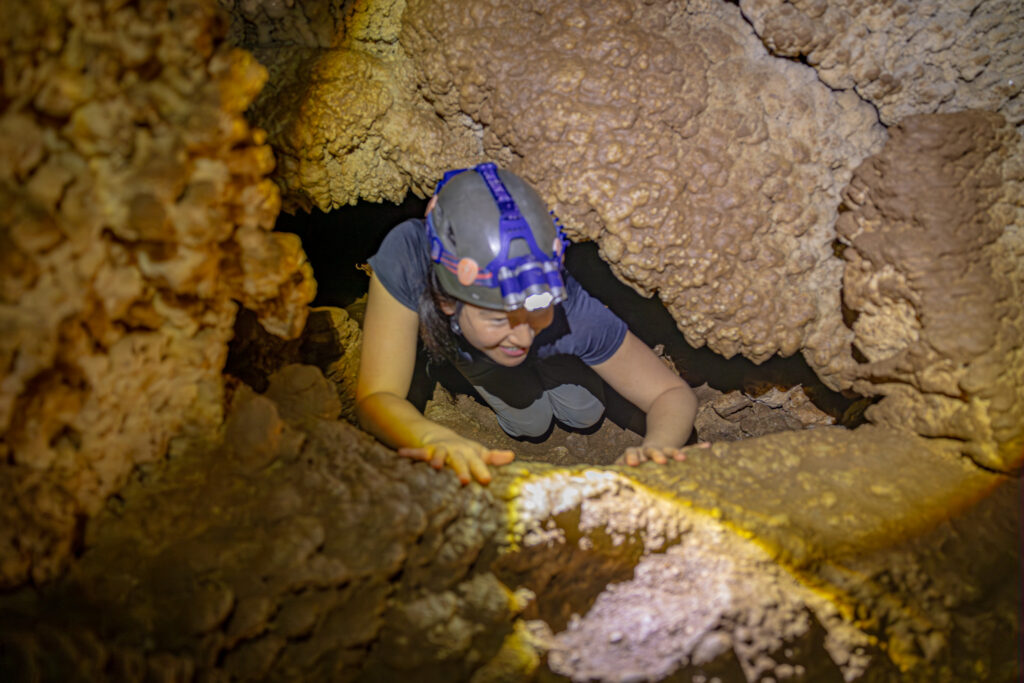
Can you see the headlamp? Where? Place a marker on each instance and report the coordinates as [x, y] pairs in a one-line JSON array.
[[536, 302], [532, 280]]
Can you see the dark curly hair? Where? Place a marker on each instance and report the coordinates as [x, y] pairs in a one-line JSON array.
[[440, 340]]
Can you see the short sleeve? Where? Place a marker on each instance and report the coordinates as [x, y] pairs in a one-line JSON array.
[[401, 263], [597, 333]]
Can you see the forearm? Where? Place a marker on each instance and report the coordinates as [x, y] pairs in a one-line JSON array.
[[670, 418], [396, 422]]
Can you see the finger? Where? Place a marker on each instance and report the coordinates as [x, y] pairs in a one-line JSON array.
[[656, 455], [499, 457], [458, 463], [438, 456], [678, 454], [414, 453], [632, 458], [480, 471]]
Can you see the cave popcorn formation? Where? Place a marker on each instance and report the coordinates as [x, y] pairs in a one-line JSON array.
[[842, 180]]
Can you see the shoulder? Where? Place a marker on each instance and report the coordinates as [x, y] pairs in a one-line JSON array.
[[580, 304], [410, 234], [402, 261], [594, 331]]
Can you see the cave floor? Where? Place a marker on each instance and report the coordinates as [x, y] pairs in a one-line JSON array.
[[299, 548]]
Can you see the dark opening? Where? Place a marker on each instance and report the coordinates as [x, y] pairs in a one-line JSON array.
[[339, 241]]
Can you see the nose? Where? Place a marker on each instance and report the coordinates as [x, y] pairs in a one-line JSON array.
[[521, 335]]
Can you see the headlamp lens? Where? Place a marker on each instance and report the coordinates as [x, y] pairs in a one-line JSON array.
[[535, 302]]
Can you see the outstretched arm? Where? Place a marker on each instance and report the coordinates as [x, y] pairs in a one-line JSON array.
[[670, 404], [385, 372]]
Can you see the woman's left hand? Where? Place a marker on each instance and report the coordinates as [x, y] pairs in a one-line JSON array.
[[636, 455]]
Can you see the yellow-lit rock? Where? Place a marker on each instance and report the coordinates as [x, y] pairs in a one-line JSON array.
[[136, 212]]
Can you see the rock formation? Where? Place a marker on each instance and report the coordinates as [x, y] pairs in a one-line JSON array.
[[135, 210], [709, 171], [905, 57], [299, 548], [935, 282], [341, 105]]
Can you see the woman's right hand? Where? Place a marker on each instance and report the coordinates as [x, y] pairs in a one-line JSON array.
[[465, 456]]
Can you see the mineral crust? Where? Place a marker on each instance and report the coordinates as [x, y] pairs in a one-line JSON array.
[[934, 279], [905, 57], [135, 211]]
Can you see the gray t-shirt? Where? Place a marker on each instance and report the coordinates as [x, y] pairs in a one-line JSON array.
[[583, 326]]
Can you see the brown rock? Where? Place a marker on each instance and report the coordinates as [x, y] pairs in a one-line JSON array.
[[905, 57], [934, 277], [136, 210]]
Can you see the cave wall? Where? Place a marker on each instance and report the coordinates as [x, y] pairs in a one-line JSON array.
[[136, 212], [935, 280], [137, 206], [299, 548], [340, 106], [905, 57], [137, 203]]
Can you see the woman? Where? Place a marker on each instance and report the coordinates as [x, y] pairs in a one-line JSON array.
[[481, 280]]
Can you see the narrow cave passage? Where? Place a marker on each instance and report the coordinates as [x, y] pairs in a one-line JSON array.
[[338, 242]]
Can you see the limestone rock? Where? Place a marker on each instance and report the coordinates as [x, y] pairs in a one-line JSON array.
[[475, 420], [299, 548], [331, 341], [906, 57], [737, 415], [135, 211], [278, 554], [341, 107], [707, 171], [935, 280]]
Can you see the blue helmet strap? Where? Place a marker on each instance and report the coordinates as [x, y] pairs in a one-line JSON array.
[[512, 224]]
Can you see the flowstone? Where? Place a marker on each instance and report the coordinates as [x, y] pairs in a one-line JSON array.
[[282, 543], [295, 549]]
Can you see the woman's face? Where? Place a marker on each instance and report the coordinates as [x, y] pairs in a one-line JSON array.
[[504, 337]]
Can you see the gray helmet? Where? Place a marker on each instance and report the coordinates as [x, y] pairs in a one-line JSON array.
[[493, 242]]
